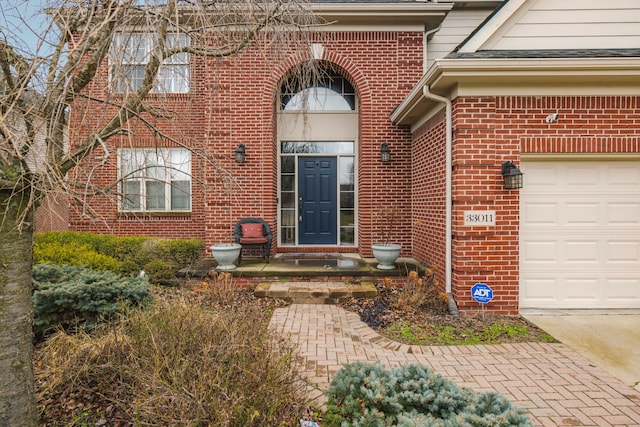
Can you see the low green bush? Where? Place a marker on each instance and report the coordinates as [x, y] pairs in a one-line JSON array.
[[362, 394], [121, 254], [69, 296], [182, 252], [159, 271], [119, 247], [73, 254]]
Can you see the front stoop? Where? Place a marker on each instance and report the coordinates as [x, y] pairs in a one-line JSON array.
[[316, 292]]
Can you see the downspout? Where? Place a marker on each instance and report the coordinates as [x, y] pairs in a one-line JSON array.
[[449, 138], [448, 162]]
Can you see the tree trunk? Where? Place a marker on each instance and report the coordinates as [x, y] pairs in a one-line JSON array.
[[17, 397]]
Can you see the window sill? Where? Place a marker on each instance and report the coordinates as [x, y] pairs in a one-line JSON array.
[[136, 216], [153, 95]]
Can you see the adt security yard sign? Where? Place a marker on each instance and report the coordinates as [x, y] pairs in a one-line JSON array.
[[482, 293]]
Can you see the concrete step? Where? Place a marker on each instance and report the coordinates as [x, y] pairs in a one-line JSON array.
[[316, 292]]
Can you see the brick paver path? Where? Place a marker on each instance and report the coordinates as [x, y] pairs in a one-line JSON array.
[[557, 386]]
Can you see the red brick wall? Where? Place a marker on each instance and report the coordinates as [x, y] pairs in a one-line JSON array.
[[232, 101], [488, 131], [485, 254], [429, 195]]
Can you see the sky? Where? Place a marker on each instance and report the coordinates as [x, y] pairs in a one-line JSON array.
[[23, 33]]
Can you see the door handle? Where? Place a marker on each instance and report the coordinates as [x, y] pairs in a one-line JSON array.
[[300, 209]]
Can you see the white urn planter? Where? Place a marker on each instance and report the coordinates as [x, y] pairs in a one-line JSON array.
[[226, 254], [386, 254]]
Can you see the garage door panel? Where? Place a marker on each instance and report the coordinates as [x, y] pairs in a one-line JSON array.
[[542, 175], [580, 235], [623, 290], [581, 213], [581, 290], [580, 176], [540, 290], [624, 175], [581, 252], [622, 252], [575, 249], [542, 214], [540, 252], [621, 213]]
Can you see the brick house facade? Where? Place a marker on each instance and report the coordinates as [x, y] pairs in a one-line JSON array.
[[247, 117], [564, 109], [443, 166], [486, 133]]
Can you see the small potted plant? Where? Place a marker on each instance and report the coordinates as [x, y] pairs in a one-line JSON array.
[[386, 253], [227, 253]]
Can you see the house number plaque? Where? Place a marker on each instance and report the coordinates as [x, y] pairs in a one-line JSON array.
[[479, 218]]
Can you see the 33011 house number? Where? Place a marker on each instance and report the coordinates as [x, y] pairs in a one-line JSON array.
[[478, 218]]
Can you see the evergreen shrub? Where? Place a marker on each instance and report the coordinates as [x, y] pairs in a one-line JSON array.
[[159, 271], [181, 252], [363, 394], [77, 254], [121, 254], [68, 296]]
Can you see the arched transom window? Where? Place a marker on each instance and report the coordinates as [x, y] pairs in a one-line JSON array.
[[331, 92]]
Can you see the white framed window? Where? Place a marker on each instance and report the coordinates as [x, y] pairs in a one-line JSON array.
[[130, 55], [154, 179]]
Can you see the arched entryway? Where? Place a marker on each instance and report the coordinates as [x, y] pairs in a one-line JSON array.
[[317, 163]]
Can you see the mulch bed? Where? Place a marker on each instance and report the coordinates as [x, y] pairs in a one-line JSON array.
[[428, 320]]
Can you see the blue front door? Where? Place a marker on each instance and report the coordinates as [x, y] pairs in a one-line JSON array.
[[317, 201]]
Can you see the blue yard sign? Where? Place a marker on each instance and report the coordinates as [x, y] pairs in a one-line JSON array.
[[482, 293]]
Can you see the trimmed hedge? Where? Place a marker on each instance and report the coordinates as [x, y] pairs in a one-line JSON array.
[[363, 394], [74, 254], [126, 255]]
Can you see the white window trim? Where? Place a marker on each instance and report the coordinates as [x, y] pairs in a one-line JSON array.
[[118, 58], [143, 179]]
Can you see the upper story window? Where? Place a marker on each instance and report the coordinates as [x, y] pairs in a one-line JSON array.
[[332, 92], [155, 179], [130, 55]]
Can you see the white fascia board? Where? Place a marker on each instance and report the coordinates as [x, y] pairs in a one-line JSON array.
[[487, 31], [531, 68], [499, 77], [426, 14]]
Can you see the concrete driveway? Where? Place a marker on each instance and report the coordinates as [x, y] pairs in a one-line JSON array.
[[610, 340]]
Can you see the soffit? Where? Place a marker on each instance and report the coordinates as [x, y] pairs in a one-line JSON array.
[[425, 15], [452, 77]]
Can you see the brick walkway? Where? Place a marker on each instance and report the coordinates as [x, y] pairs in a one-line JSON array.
[[556, 385]]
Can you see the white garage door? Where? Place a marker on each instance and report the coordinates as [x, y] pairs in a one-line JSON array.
[[580, 235]]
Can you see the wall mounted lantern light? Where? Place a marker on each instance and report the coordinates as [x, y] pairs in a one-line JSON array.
[[385, 153], [240, 154], [512, 176]]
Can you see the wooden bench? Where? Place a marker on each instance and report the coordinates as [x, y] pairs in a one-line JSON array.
[[253, 233]]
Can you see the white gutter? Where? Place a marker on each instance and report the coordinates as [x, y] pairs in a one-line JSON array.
[[448, 164]]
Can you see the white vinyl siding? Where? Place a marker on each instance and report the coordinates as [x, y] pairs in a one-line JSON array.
[[572, 24], [580, 235], [455, 28]]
